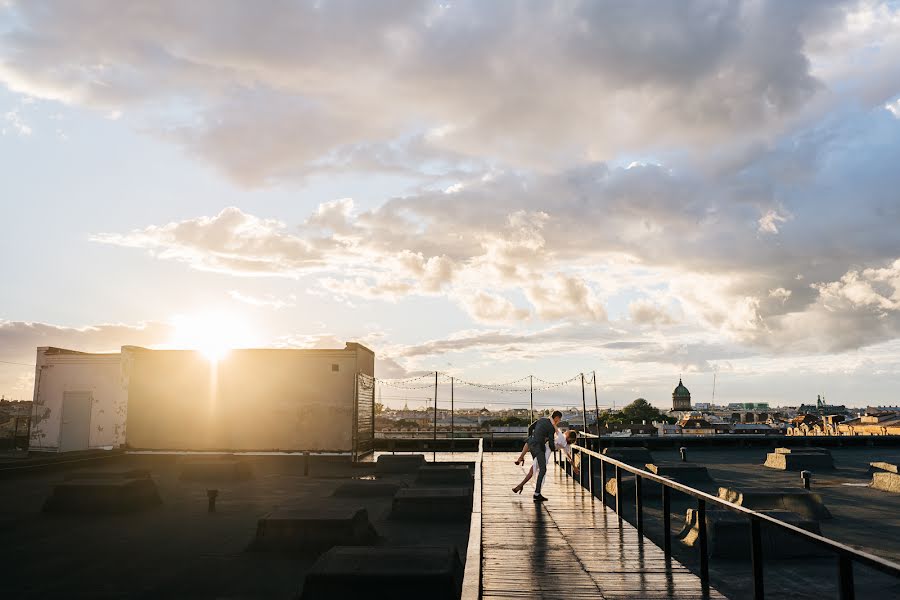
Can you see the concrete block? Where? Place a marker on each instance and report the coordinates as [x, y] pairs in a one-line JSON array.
[[885, 481], [120, 474], [313, 529], [400, 573], [102, 496], [803, 450], [438, 474], [433, 504], [875, 467], [399, 463], [800, 459], [806, 504], [215, 470], [367, 488], [728, 535]]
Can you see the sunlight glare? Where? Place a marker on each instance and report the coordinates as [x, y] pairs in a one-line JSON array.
[[211, 334]]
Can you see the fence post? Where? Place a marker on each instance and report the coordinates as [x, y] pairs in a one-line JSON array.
[[704, 551], [845, 582], [434, 450], [639, 504], [619, 494], [452, 434], [603, 481], [757, 560], [667, 522]]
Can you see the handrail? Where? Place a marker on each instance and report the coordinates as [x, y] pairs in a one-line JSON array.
[[471, 587], [845, 553], [864, 557]]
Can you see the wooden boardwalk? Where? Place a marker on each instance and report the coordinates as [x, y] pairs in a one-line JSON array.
[[569, 547]]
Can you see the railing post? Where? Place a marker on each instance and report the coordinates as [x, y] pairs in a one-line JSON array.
[[667, 522], [639, 504], [619, 494], [580, 469], [704, 551], [845, 581], [591, 479], [756, 560], [603, 481]]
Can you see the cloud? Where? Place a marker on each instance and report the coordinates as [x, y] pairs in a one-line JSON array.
[[231, 242], [561, 297], [558, 246], [19, 339], [646, 312], [768, 223], [486, 307], [894, 107], [289, 96]]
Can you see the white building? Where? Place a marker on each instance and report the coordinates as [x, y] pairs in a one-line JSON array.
[[320, 400]]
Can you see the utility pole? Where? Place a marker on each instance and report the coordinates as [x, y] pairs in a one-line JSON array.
[[452, 435], [583, 404], [434, 452], [596, 404], [531, 397]]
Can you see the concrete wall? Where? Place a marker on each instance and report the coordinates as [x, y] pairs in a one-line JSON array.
[[248, 400], [58, 371]]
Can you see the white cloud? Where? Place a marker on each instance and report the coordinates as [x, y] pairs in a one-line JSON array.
[[894, 107], [16, 123], [646, 312], [768, 223], [231, 242]]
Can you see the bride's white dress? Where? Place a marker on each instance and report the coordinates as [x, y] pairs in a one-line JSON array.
[[561, 444]]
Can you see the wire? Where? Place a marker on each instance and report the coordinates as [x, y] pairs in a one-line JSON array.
[[6, 362]]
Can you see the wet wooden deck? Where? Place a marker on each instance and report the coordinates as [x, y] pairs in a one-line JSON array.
[[569, 547]]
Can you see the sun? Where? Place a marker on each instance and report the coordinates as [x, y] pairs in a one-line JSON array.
[[211, 334]]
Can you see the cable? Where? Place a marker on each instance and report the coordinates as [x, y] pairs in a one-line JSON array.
[[6, 362]]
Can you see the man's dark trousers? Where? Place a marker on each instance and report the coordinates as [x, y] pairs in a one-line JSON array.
[[539, 454]]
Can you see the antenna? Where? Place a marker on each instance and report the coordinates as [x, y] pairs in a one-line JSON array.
[[714, 388]]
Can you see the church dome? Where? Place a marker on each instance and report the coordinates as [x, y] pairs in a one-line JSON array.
[[681, 391]]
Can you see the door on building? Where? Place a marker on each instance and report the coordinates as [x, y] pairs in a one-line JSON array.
[[75, 432]]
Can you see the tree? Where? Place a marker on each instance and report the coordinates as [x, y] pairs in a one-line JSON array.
[[379, 408], [639, 410]]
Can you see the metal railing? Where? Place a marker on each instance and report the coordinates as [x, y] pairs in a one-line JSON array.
[[846, 556]]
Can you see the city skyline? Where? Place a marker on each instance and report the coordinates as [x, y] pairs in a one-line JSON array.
[[488, 191]]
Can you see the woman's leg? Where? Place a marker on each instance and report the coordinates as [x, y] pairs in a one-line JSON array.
[[528, 477], [521, 458]]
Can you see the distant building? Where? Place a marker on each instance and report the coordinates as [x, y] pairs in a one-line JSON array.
[[681, 398]]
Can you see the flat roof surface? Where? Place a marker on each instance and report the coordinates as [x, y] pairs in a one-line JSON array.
[[179, 549]]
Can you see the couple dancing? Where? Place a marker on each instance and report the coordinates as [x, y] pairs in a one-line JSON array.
[[544, 437]]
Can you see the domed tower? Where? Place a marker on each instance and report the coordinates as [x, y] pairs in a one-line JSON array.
[[681, 398]]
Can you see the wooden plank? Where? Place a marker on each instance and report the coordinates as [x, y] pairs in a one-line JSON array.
[[571, 546]]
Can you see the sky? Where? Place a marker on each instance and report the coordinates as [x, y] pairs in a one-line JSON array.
[[647, 190]]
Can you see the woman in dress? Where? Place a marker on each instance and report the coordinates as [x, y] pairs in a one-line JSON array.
[[563, 442]]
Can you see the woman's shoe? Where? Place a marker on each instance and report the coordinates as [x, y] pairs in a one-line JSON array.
[[517, 490]]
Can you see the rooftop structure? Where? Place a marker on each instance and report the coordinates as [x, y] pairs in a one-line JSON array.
[[254, 399]]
